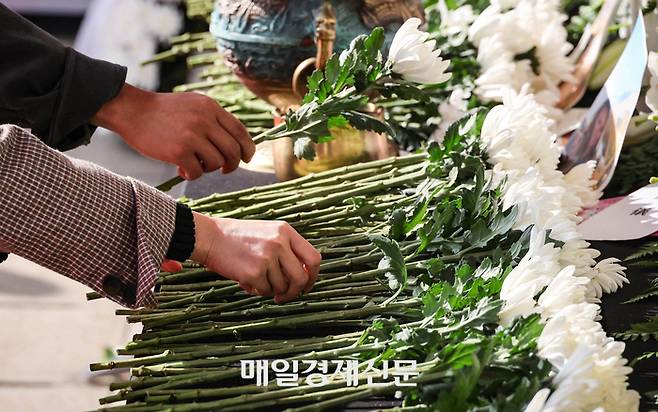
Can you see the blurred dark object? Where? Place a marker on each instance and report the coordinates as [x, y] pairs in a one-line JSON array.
[[636, 165], [48, 7], [61, 18]]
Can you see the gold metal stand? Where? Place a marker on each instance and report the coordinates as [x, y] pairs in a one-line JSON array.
[[349, 145]]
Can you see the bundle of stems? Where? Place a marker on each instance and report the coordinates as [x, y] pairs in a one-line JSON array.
[[199, 9], [188, 356]]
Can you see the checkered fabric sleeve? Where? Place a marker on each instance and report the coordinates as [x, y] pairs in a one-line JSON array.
[[106, 231]]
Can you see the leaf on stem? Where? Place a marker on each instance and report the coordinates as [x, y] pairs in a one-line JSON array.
[[393, 262]]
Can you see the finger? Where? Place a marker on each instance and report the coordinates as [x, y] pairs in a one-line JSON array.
[[247, 287], [309, 256], [297, 276], [171, 266], [210, 155], [239, 132], [277, 279], [261, 285], [191, 167], [229, 148]]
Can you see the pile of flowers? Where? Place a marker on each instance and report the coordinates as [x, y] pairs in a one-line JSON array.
[[561, 283], [466, 258]]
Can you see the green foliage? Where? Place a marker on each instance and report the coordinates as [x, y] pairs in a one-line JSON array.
[[583, 13], [644, 356], [468, 246], [646, 256], [651, 292], [643, 331], [646, 251], [338, 94]]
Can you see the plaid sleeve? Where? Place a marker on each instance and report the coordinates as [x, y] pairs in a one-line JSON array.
[[106, 231]]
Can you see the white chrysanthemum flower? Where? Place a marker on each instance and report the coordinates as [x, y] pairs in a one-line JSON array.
[[535, 271], [579, 181], [608, 277], [574, 382], [577, 253], [451, 111], [557, 282], [572, 326], [414, 57], [455, 23], [565, 289], [538, 401], [526, 44], [652, 93]]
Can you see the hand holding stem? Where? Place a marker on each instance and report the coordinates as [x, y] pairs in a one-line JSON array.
[[267, 258]]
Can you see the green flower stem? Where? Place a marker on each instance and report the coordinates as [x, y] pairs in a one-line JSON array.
[[138, 389], [335, 198], [191, 313], [312, 194], [328, 177], [270, 310], [181, 49], [193, 287], [333, 346], [269, 323], [211, 377], [156, 311], [202, 59], [197, 359], [190, 347], [335, 393], [193, 275]]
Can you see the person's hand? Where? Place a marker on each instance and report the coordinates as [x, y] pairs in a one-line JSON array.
[[189, 130], [266, 258]]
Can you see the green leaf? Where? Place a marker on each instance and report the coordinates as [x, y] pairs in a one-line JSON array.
[[325, 139], [338, 121], [393, 261], [645, 251], [374, 43], [404, 91], [313, 82], [332, 69], [396, 224], [363, 121]]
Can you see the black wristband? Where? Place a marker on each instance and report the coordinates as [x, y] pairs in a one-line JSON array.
[[182, 241]]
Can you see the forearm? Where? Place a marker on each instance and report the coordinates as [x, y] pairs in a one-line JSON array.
[[106, 231]]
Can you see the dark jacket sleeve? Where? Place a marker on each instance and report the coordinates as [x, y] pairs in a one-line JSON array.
[[50, 88]]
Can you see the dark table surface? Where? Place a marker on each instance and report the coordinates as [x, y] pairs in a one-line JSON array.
[[617, 316]]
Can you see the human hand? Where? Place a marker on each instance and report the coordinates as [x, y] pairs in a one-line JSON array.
[[267, 258], [189, 130]]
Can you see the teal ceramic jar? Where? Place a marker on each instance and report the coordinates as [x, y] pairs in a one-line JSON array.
[[265, 40]]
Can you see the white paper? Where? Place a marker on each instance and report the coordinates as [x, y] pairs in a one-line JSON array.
[[601, 133], [634, 217]]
